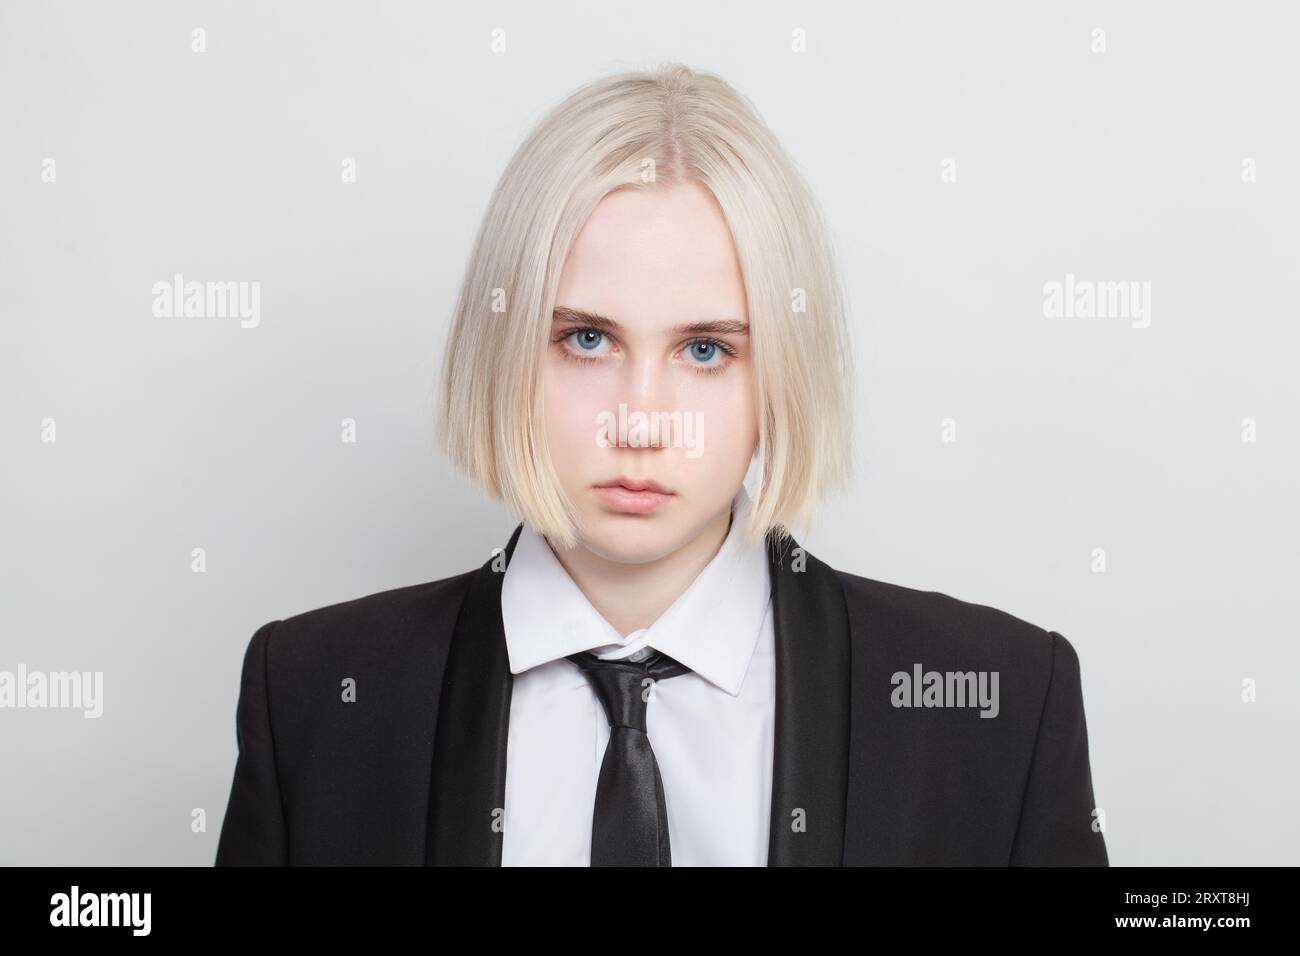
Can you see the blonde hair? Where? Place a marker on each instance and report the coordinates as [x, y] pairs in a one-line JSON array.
[[638, 130]]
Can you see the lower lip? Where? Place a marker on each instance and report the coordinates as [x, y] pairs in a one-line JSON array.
[[631, 502]]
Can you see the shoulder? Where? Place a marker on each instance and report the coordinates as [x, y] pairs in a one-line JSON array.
[[388, 628], [395, 606], [903, 624]]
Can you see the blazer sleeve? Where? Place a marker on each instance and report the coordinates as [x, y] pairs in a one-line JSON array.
[[253, 832], [1057, 824]]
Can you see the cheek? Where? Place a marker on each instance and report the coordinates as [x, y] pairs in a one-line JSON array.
[[729, 429], [570, 405], [730, 420]]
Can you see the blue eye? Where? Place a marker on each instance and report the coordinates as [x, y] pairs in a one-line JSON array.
[[588, 341], [704, 350]]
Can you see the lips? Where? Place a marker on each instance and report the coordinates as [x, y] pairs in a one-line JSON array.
[[635, 484], [633, 495]]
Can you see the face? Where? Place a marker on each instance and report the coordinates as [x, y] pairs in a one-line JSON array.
[[648, 381]]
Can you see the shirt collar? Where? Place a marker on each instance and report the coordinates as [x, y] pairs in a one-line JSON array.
[[712, 627]]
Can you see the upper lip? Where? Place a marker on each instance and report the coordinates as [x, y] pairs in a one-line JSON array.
[[635, 484]]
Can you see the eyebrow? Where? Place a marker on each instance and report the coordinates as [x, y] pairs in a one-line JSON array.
[[603, 324]]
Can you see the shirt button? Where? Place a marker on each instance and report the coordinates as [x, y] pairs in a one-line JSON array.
[[641, 654]]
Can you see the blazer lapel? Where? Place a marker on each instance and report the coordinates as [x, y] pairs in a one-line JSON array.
[[810, 738], [467, 793]]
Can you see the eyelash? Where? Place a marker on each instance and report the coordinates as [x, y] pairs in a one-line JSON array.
[[721, 367]]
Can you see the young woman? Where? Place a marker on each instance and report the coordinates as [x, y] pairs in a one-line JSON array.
[[653, 671]]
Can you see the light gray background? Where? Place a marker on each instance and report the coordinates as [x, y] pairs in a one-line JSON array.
[[1073, 434]]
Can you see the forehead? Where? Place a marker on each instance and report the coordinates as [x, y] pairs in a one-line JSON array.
[[653, 257]]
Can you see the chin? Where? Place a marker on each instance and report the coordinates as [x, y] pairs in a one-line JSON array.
[[631, 538]]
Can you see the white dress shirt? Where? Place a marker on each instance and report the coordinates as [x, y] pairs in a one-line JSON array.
[[711, 729]]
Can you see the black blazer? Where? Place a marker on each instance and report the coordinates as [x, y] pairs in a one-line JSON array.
[[413, 771]]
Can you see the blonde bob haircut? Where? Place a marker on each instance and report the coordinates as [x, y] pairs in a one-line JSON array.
[[640, 130]]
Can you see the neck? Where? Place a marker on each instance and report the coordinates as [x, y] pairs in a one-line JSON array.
[[633, 596]]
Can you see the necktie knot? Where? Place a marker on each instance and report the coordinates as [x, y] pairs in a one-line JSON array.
[[624, 686]]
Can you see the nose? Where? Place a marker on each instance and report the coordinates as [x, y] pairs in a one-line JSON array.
[[648, 390]]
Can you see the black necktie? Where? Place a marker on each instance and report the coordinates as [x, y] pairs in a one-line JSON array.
[[630, 823]]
